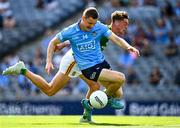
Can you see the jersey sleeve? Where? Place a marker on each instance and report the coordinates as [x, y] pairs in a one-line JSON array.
[[63, 35], [103, 43], [106, 32]]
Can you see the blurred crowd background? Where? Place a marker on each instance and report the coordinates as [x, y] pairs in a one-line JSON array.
[[27, 26]]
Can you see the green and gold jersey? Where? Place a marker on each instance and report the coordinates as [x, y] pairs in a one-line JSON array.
[[104, 40]]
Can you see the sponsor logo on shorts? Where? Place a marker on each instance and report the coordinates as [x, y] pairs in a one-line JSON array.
[[74, 73], [93, 75]]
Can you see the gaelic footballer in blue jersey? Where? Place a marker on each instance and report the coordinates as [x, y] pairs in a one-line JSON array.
[[86, 46], [88, 57]]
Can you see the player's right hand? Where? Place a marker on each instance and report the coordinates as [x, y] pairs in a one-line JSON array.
[[134, 50], [48, 67]]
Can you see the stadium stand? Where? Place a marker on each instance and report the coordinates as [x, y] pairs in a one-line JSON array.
[[31, 21], [144, 15]]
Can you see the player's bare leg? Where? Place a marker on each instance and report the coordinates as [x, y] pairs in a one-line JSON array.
[[117, 94], [113, 81], [57, 83], [93, 86]]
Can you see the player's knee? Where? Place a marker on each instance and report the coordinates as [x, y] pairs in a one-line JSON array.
[[50, 93], [121, 78]]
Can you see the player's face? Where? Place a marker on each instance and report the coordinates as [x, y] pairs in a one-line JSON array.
[[119, 27], [89, 23]]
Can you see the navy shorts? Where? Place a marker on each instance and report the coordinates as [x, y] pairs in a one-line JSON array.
[[93, 72]]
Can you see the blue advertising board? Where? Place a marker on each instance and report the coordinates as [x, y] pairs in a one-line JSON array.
[[151, 108], [47, 108], [75, 108]]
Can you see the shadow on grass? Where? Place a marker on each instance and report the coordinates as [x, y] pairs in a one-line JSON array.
[[104, 124], [114, 124]]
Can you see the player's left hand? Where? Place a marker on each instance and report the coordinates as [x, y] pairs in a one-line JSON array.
[[134, 50], [49, 66]]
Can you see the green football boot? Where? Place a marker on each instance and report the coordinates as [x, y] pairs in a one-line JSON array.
[[15, 69], [115, 103], [86, 118]]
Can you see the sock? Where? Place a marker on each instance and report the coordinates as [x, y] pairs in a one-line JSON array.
[[23, 71], [89, 103], [109, 97]]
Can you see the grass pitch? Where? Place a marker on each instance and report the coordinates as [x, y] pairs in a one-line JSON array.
[[101, 122]]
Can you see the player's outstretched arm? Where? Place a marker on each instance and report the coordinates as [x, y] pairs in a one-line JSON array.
[[50, 51], [60, 46], [122, 43]]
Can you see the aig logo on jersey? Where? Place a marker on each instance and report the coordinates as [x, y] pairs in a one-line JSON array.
[[86, 46]]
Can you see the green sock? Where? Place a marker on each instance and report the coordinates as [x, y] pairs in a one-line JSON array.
[[23, 71]]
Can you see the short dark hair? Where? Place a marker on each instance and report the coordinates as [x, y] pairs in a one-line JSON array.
[[91, 12], [119, 15]]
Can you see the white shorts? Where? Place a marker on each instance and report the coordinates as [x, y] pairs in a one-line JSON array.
[[68, 66]]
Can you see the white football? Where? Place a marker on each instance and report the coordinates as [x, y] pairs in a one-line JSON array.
[[98, 99]]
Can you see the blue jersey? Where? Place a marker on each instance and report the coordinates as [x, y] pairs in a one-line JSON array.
[[85, 44]]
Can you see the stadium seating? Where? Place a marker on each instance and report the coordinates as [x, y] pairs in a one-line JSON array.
[[32, 23]]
